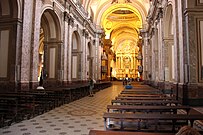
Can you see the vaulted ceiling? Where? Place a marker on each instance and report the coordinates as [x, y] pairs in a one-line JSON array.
[[120, 19]]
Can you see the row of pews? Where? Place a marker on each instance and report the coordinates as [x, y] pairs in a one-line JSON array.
[[145, 110], [20, 105]]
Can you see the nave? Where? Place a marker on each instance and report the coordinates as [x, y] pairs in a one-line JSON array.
[[75, 118]]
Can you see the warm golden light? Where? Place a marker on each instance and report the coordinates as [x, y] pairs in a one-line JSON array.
[[121, 23]]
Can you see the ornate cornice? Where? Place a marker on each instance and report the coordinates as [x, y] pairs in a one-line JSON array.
[[81, 16]]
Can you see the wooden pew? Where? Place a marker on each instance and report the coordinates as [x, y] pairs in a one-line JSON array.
[[101, 85], [143, 90], [100, 132], [156, 118], [123, 108], [141, 95], [25, 102], [140, 92], [145, 102], [75, 92], [144, 98], [44, 100], [8, 110]]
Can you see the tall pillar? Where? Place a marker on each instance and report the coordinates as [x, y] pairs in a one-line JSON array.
[[34, 60], [84, 54], [26, 42], [191, 50], [98, 56], [70, 32], [155, 61], [161, 49], [145, 53], [65, 64]]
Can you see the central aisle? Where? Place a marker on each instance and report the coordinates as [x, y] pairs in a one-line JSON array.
[[75, 118]]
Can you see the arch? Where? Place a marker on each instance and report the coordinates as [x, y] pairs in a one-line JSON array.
[[168, 21], [10, 8], [51, 25], [76, 41], [169, 45], [9, 16], [136, 7], [50, 35], [76, 56]]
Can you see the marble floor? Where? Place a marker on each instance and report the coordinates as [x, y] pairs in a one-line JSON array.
[[75, 118]]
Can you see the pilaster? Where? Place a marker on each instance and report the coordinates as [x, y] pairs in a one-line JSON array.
[[26, 42], [34, 60]]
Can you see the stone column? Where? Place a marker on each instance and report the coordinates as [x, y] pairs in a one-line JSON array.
[[84, 55], [131, 62], [65, 51], [122, 62], [161, 50], [154, 50], [94, 54], [97, 57], [34, 60], [69, 45], [99, 61], [145, 57], [26, 42], [191, 51], [176, 48], [85, 41], [181, 39]]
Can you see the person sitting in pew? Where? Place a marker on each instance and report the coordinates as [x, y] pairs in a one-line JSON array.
[[187, 130]]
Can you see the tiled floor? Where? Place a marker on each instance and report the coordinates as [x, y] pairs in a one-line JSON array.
[[75, 118]]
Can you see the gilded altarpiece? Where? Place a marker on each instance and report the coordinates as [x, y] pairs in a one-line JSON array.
[[126, 61]]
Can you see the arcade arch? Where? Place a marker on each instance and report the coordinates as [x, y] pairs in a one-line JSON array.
[[9, 27], [169, 44], [76, 57], [49, 46]]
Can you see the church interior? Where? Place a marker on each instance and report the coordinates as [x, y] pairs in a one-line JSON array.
[[143, 57]]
